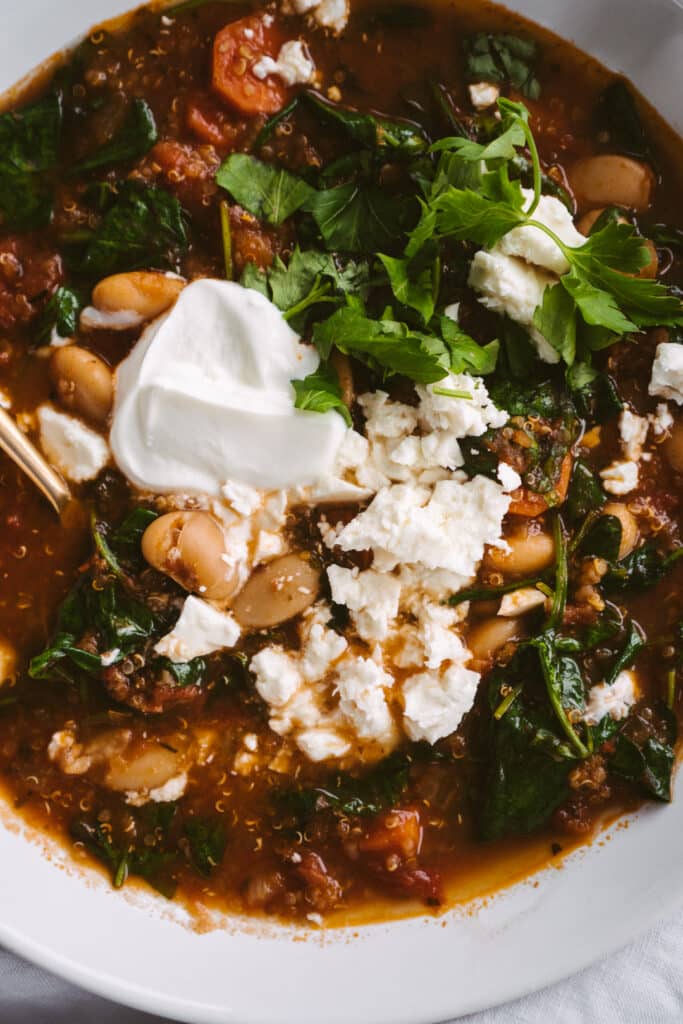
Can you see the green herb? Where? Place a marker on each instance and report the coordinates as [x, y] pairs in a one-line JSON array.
[[378, 790], [492, 593], [320, 392], [603, 539], [648, 761], [527, 765], [270, 193], [561, 573], [384, 344], [128, 535], [185, 673], [29, 149], [585, 495], [135, 138], [467, 355], [671, 679], [60, 315], [564, 684], [618, 121], [391, 137], [207, 842], [361, 218], [504, 59], [143, 228], [415, 281], [272, 122], [643, 568]]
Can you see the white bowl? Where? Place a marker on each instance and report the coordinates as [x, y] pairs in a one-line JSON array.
[[421, 970]]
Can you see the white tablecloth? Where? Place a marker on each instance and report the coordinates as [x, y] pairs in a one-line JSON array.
[[643, 984]]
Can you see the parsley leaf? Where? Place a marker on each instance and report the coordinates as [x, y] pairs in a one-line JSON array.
[[361, 218], [384, 344], [270, 193], [471, 217], [320, 392], [415, 281]]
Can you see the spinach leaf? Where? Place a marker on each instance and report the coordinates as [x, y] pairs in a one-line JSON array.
[[143, 228], [128, 536], [185, 673], [597, 400], [618, 121], [648, 761], [60, 315], [270, 193], [135, 138], [635, 642], [123, 622], [564, 685], [29, 148], [320, 392], [207, 841], [391, 137], [528, 766], [643, 568], [378, 790], [603, 539], [361, 218], [585, 495], [502, 58], [385, 344]]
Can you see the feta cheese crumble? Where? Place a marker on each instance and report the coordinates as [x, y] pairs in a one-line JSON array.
[[483, 94], [512, 277], [620, 477], [371, 597], [200, 630], [615, 699], [667, 372], [633, 431], [332, 14], [435, 705], [293, 65], [74, 449]]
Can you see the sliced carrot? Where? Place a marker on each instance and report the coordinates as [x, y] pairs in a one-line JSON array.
[[531, 504], [237, 48]]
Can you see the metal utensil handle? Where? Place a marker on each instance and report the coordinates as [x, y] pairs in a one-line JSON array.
[[28, 458]]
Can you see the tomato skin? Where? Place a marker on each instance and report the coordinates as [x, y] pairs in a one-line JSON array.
[[237, 48], [530, 504]]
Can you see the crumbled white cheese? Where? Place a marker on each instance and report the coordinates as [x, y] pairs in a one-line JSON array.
[[322, 647], [268, 546], [243, 498], [506, 284], [293, 65], [444, 528], [371, 597], [509, 477], [360, 684], [110, 657], [483, 94], [463, 417], [110, 320], [452, 311], [332, 14], [76, 450], [277, 676], [620, 477], [170, 791], [200, 630], [513, 276], [615, 700], [521, 601], [633, 431], [661, 420], [322, 744], [533, 245], [435, 705], [667, 372]]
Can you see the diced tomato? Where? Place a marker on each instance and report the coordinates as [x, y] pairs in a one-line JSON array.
[[531, 504], [237, 48]]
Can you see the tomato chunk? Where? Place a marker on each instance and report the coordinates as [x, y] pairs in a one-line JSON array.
[[237, 48]]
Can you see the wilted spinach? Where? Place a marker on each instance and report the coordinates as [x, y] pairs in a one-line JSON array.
[[135, 138], [29, 150]]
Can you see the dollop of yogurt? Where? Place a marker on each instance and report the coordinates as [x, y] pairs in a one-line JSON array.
[[206, 396]]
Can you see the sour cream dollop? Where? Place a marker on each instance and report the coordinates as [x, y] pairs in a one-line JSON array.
[[206, 396]]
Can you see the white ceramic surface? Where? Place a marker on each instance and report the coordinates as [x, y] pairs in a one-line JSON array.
[[404, 973]]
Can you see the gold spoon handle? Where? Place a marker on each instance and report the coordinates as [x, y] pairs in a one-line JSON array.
[[29, 459]]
